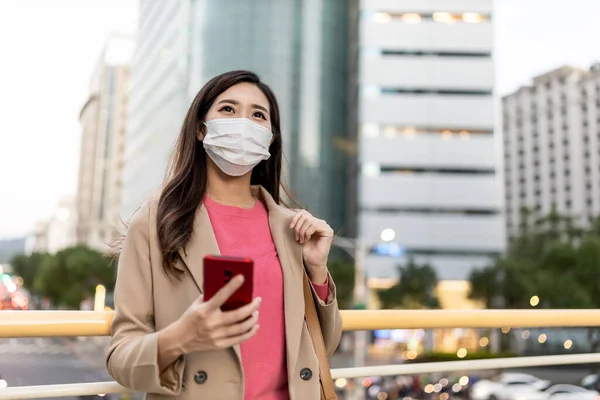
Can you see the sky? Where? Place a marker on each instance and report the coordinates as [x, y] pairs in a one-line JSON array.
[[50, 48]]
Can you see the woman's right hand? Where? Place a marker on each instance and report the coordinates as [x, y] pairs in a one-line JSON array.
[[203, 326]]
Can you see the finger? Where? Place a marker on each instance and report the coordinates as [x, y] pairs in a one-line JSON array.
[[226, 291], [303, 222], [235, 316], [200, 299], [302, 231], [232, 341], [309, 233], [239, 328], [296, 218]]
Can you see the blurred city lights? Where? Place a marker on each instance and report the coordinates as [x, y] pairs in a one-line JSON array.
[[542, 338], [382, 18], [388, 235], [525, 334], [11, 287], [484, 341], [443, 17], [428, 388], [444, 396], [456, 387], [389, 249], [341, 382], [464, 380], [568, 344], [505, 330], [472, 18], [461, 353], [6, 279], [411, 18], [534, 301]]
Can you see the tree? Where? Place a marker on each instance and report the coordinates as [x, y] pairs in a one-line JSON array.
[[71, 275], [27, 267], [415, 288], [342, 273], [550, 257]]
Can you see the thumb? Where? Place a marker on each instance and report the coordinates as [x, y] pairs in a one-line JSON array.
[[199, 299]]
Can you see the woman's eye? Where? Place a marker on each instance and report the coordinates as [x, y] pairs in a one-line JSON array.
[[258, 114], [227, 109]]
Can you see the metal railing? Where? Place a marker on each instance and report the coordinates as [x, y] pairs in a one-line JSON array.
[[90, 323]]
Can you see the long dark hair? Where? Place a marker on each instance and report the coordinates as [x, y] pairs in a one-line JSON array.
[[186, 179]]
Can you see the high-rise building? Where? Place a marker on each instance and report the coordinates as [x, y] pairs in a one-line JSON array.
[[297, 48], [552, 146], [428, 187], [57, 232], [103, 121]]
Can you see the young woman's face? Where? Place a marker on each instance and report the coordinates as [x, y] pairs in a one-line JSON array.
[[244, 100]]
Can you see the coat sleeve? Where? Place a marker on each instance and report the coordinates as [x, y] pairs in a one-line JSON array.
[[329, 317], [132, 358]]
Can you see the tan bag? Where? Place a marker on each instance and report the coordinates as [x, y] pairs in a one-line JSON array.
[[316, 336]]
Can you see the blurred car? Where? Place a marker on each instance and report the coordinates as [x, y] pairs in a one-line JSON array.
[[591, 382], [555, 392], [502, 386]]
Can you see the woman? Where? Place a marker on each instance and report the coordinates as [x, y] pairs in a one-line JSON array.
[[222, 196]]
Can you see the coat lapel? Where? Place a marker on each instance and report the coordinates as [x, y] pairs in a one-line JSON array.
[[202, 243], [290, 258]]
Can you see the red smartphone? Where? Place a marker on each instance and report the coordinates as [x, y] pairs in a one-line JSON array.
[[218, 270]]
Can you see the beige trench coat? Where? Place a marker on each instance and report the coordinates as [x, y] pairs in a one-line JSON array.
[[146, 301]]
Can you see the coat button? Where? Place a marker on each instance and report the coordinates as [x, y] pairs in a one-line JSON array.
[[200, 377], [305, 374]]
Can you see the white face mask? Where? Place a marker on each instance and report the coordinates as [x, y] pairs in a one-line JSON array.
[[236, 145]]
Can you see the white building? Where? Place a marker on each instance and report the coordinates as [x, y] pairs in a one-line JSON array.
[[103, 121], [57, 232], [428, 186], [552, 146]]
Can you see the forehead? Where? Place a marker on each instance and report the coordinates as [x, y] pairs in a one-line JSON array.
[[245, 92]]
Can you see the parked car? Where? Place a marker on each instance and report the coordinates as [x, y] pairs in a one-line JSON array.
[[502, 386], [555, 392], [591, 382]]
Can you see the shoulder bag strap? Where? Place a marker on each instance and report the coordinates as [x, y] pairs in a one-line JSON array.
[[316, 336]]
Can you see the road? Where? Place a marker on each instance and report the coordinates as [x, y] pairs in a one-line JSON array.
[[44, 361]]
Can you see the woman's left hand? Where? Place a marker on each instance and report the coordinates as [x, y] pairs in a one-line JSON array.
[[316, 237]]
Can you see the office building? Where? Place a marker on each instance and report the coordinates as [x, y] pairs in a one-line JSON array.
[[297, 48], [552, 146], [429, 187], [57, 232], [103, 122]]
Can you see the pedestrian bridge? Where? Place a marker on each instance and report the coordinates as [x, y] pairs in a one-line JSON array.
[[19, 324]]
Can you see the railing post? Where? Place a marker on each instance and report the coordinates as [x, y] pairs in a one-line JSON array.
[[360, 301]]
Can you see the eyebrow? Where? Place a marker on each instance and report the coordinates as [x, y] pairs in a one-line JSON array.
[[235, 102]]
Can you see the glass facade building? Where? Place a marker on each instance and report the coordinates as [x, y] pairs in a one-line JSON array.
[[298, 47]]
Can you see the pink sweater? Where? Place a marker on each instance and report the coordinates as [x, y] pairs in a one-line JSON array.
[[245, 233]]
